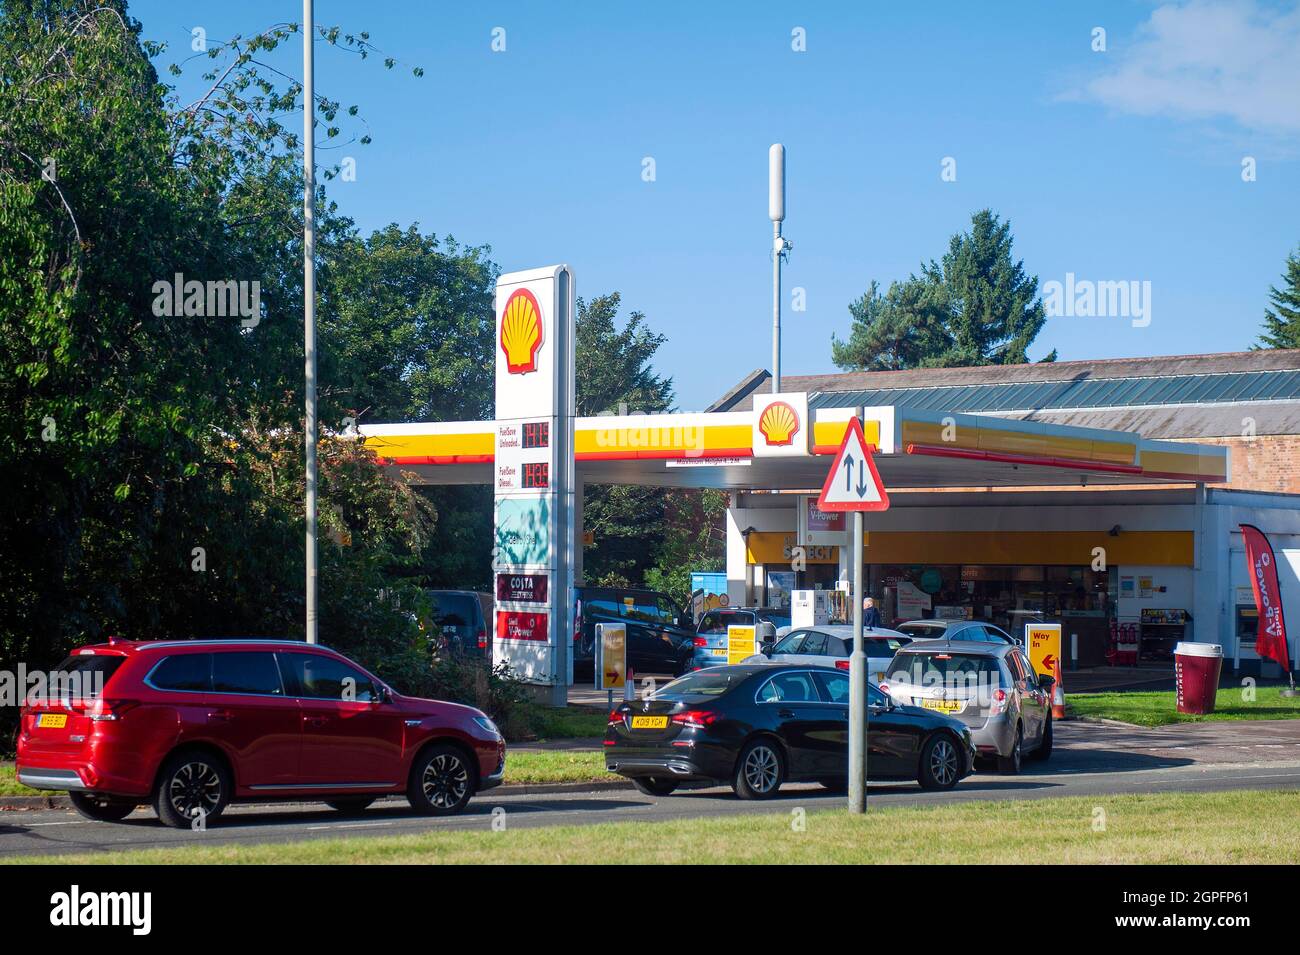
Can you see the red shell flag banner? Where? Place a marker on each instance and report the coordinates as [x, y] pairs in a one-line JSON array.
[[1270, 639], [521, 332]]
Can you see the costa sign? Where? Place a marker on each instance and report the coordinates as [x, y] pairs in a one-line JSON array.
[[522, 588]]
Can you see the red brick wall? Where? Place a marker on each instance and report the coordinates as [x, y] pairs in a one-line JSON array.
[[1267, 462]]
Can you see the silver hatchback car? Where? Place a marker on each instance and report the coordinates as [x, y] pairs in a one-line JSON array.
[[989, 687]]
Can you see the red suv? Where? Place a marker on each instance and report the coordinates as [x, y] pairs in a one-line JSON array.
[[189, 726]]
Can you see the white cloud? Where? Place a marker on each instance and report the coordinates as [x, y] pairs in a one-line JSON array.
[[1199, 60]]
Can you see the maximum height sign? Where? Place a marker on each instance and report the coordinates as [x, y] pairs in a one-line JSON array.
[[854, 484]]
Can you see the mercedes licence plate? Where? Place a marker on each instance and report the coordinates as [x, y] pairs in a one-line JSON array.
[[649, 722]]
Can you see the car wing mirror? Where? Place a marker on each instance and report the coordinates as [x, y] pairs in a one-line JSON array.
[[1046, 682]]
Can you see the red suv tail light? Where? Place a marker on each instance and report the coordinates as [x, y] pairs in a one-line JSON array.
[[615, 717], [701, 642], [104, 711], [999, 701], [482, 638], [695, 718]]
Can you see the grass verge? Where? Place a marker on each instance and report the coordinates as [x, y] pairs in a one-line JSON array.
[[1158, 708], [9, 785], [570, 722], [1173, 828], [555, 766]]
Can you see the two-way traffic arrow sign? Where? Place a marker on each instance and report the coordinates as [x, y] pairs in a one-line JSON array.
[[853, 483]]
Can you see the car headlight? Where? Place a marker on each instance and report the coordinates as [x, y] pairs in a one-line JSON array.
[[488, 725]]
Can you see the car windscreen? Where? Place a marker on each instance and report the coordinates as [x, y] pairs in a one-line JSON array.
[[454, 610], [929, 669], [882, 646], [702, 683], [715, 622], [455, 618], [82, 676], [920, 629], [791, 642]]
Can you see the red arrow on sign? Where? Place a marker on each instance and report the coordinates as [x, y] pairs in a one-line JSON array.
[[853, 483], [1049, 661]]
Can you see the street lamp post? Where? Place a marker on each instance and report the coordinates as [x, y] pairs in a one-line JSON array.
[[309, 298]]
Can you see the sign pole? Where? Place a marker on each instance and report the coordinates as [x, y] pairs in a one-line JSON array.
[[853, 484], [309, 302], [857, 685]]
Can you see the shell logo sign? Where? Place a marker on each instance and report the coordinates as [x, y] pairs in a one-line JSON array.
[[521, 332], [778, 424]]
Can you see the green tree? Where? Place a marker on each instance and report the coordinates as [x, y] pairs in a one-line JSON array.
[[152, 460], [613, 365], [614, 373], [695, 538], [408, 334], [1282, 321], [408, 328], [900, 329], [975, 306]]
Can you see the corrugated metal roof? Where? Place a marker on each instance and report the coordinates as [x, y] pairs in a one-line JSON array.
[[1231, 388]]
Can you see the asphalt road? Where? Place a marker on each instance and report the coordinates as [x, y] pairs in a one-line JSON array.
[[1088, 761]]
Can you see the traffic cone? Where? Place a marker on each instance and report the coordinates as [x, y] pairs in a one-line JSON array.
[[1058, 692]]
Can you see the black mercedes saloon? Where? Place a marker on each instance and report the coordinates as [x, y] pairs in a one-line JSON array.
[[760, 725]]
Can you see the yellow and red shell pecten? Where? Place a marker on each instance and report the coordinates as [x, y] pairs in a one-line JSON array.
[[779, 424], [521, 332]]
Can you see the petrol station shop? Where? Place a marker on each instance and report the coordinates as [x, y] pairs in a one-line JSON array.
[[1015, 557]]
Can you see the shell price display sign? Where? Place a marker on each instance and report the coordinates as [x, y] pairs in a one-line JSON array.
[[533, 479]]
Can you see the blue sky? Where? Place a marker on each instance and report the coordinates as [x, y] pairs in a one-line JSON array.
[[1117, 165]]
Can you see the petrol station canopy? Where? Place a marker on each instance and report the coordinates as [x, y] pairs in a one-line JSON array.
[[786, 442]]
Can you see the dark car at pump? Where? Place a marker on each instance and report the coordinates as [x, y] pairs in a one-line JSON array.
[[758, 726]]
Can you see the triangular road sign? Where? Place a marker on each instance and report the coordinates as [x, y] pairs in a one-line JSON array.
[[854, 483]]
